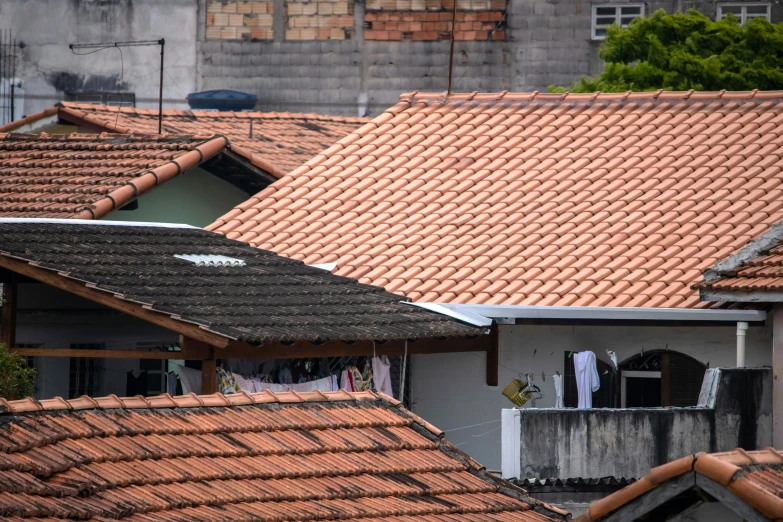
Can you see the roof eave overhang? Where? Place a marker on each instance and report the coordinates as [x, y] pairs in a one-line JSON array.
[[733, 296], [501, 313]]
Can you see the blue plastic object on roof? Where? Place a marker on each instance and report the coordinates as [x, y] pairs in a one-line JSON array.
[[222, 100]]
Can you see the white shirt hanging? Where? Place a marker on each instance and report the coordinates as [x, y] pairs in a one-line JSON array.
[[381, 374], [558, 379], [587, 380]]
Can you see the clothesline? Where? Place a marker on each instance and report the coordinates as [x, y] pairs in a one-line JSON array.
[[376, 375]]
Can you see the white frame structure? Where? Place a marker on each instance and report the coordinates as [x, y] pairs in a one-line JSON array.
[[618, 16], [743, 14], [633, 374]]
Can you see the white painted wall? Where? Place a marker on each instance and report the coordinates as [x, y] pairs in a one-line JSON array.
[[449, 390], [46, 64]]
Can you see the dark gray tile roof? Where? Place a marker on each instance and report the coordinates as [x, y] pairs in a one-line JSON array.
[[270, 298]]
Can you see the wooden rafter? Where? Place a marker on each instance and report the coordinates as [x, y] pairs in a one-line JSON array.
[[79, 288]]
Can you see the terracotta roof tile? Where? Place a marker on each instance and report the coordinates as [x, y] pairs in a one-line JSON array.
[[280, 142], [589, 182], [286, 456], [88, 175], [756, 477]]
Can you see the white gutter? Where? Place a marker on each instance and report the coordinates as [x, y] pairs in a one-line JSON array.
[[502, 312], [465, 317]]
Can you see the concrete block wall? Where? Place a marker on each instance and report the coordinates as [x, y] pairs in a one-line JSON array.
[[389, 50]]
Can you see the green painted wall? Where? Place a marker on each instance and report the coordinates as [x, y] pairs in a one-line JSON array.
[[196, 198]]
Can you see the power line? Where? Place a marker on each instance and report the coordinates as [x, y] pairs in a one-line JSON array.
[[481, 52]]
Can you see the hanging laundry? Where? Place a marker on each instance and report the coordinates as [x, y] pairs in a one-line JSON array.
[[246, 385], [362, 380], [324, 384], [171, 383], [558, 390], [284, 376], [226, 383], [381, 375], [190, 379], [273, 387], [345, 381], [587, 380]]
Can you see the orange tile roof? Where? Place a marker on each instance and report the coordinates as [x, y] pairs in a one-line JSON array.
[[756, 477], [280, 142], [264, 456], [88, 175], [534, 199]]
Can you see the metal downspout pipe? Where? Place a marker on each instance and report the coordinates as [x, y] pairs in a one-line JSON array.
[[742, 328]]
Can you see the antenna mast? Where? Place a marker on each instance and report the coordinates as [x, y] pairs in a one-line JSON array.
[[138, 43], [451, 50]]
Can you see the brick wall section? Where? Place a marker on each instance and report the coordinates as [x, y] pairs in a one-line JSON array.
[[239, 20], [319, 19], [400, 25]]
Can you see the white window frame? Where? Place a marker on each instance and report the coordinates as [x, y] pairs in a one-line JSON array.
[[744, 12], [634, 374], [617, 15]]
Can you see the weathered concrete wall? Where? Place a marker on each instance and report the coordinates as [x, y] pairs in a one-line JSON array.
[[449, 390], [546, 42], [629, 442], [47, 67], [600, 443]]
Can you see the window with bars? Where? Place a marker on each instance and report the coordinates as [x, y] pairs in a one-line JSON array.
[[620, 14], [126, 99], [154, 368], [85, 373], [744, 12], [31, 361]]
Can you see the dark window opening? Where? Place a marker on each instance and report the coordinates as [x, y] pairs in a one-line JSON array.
[[126, 99], [643, 392], [85, 373]]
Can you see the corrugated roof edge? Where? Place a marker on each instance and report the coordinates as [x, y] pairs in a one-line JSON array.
[[631, 96]]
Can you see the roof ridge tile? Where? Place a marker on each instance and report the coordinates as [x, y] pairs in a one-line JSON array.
[[192, 400]]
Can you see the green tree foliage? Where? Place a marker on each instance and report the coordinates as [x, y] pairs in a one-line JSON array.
[[679, 52], [16, 379]]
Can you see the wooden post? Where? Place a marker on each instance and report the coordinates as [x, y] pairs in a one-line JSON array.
[[197, 350], [8, 326], [492, 357], [208, 376]]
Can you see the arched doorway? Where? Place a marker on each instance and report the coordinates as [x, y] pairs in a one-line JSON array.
[[660, 378]]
